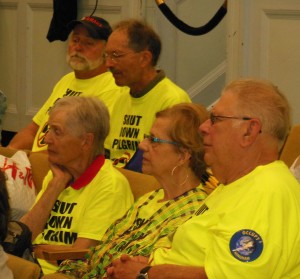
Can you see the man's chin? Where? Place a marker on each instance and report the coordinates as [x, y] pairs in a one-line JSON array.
[[119, 81], [77, 67], [52, 158], [207, 159]]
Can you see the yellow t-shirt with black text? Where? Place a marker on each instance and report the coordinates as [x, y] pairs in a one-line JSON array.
[[246, 229], [102, 86], [133, 117], [86, 212]]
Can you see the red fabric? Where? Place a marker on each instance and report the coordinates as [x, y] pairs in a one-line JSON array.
[[89, 173]]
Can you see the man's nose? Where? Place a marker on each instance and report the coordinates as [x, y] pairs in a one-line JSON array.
[[204, 127], [109, 62]]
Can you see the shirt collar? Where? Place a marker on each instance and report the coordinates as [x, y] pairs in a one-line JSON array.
[[159, 77], [89, 174]]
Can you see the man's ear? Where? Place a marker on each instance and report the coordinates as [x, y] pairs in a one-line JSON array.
[[252, 131], [88, 140], [145, 58]]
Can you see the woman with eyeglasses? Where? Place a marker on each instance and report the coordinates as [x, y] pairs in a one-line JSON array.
[[173, 154]]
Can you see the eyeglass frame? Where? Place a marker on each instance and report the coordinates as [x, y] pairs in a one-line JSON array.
[[213, 118], [115, 56], [153, 140]]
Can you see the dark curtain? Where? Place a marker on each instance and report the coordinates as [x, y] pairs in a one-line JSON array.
[[64, 11]]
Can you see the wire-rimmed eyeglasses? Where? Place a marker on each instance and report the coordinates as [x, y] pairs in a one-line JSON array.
[[115, 56], [157, 140], [215, 118]]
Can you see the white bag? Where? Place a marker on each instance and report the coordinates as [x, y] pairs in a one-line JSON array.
[[19, 183]]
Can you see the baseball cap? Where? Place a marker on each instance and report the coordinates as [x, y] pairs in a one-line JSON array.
[[97, 27]]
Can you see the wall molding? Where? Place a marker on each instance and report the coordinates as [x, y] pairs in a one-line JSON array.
[[235, 40], [9, 5], [267, 16], [207, 80]]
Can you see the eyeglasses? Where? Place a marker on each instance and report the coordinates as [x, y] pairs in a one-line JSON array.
[[157, 140], [115, 56], [216, 118]]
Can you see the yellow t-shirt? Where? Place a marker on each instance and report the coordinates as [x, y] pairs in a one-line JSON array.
[[246, 229], [133, 117], [102, 86], [86, 212]]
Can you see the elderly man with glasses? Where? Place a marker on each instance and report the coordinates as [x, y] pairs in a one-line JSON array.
[[132, 52], [249, 226]]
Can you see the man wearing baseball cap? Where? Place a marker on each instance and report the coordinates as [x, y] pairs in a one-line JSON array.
[[97, 27], [87, 41]]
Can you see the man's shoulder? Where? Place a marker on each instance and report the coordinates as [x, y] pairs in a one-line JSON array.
[[167, 82], [104, 82], [275, 178], [111, 180], [105, 78], [170, 88], [111, 173], [64, 81], [67, 76]]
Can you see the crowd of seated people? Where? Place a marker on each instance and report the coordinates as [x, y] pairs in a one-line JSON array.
[[176, 161], [249, 226], [235, 148], [119, 68], [175, 231]]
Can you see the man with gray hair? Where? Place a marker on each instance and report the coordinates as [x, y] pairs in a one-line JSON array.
[[82, 193], [249, 226]]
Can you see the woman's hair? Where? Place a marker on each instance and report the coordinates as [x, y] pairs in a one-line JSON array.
[[4, 207], [186, 119], [273, 110], [85, 115], [141, 36]]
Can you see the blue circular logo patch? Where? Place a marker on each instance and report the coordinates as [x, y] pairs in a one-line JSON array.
[[246, 245]]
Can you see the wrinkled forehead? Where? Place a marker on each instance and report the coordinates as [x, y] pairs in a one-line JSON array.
[[228, 103], [117, 40], [57, 114]]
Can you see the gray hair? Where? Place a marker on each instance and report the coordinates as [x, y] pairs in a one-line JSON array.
[[263, 100], [85, 115]]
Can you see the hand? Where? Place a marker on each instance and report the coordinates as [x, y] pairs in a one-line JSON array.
[[38, 250], [61, 174], [125, 267], [139, 259]]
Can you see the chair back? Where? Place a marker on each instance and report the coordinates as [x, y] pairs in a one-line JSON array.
[[291, 148], [23, 269]]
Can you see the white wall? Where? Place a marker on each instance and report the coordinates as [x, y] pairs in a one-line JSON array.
[[196, 63], [263, 42]]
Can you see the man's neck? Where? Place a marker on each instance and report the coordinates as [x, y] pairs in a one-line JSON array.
[[91, 73], [137, 90], [245, 166]]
